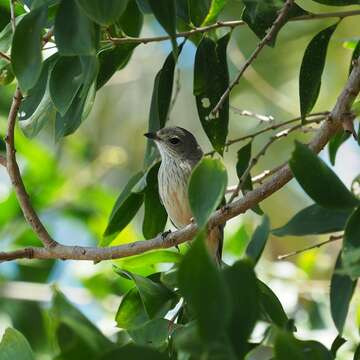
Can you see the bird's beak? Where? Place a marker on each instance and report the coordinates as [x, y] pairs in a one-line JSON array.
[[151, 135]]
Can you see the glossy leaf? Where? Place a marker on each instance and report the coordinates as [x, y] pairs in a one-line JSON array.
[[204, 12], [351, 245], [134, 352], [103, 12], [319, 181], [311, 70], [156, 298], [26, 48], [246, 305], [334, 144], [131, 21], [14, 345], [258, 240], [155, 216], [199, 279], [75, 33], [125, 208], [204, 194], [211, 79], [314, 220]]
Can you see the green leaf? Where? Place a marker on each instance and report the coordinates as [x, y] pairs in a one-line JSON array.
[[351, 245], [319, 181], [6, 73], [211, 79], [131, 312], [75, 33], [204, 290], [6, 35], [103, 12], [134, 352], [338, 2], [260, 15], [311, 70], [155, 215], [204, 12], [357, 353], [337, 343], [65, 81], [286, 343], [125, 208], [355, 54], [157, 298], [131, 21], [14, 346], [314, 220], [258, 241], [341, 291], [205, 195], [26, 56], [243, 286], [334, 144]]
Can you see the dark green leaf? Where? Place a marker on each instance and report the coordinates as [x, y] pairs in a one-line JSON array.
[[260, 15], [286, 343], [125, 208], [311, 70], [357, 353], [211, 79], [75, 33], [258, 240], [204, 290], [144, 6], [319, 181], [103, 12], [26, 48], [131, 21], [351, 245], [204, 12], [6, 35], [335, 142], [156, 298], [155, 215], [338, 2], [314, 219], [337, 343], [246, 306], [341, 291], [134, 352], [355, 54], [14, 346], [205, 195]]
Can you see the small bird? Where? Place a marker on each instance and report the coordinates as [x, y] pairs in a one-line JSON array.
[[180, 152]]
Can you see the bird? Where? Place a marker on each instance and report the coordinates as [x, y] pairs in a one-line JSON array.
[[180, 153]]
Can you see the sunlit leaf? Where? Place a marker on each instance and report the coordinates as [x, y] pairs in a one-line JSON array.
[[14, 346]]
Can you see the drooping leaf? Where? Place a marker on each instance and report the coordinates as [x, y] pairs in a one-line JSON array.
[[355, 54], [131, 21], [351, 245], [26, 58], [211, 79], [319, 181], [314, 220], [311, 70], [258, 241], [75, 33], [134, 352], [103, 12], [337, 343], [125, 208], [334, 144], [341, 291], [199, 279], [246, 304], [155, 215], [205, 195], [14, 345]]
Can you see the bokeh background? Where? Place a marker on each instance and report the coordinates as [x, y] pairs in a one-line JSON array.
[[74, 183]]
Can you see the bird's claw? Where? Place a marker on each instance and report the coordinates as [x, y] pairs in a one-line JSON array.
[[165, 234]]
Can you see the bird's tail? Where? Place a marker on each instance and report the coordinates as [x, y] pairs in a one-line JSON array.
[[214, 242]]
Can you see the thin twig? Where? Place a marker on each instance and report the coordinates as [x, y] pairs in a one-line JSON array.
[[276, 26], [265, 174], [261, 117], [332, 238], [4, 56]]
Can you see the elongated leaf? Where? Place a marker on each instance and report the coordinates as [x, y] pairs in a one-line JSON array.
[[341, 291], [338, 2], [205, 195], [334, 144], [131, 21], [14, 346], [75, 33], [103, 12], [204, 289], [125, 208], [134, 352], [258, 241], [6, 35], [337, 343], [211, 79], [26, 48], [319, 181], [156, 298], [314, 220], [155, 215], [311, 70], [198, 10], [351, 245]]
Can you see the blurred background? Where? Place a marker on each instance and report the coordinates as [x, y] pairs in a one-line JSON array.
[[74, 183]]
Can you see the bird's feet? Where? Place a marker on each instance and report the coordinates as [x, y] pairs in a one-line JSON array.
[[165, 234]]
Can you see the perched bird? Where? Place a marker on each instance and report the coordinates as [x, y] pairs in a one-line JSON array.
[[180, 152]]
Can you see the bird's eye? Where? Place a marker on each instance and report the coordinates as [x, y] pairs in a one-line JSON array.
[[174, 140]]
